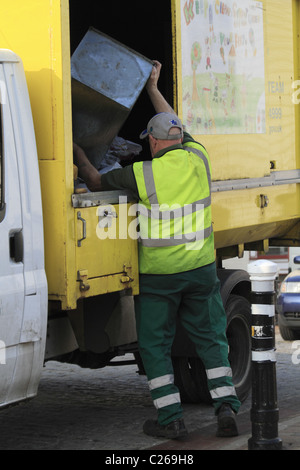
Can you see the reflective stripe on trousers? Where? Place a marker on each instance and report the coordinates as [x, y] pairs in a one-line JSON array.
[[216, 374], [164, 400]]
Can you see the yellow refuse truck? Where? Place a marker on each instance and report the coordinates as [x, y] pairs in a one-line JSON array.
[[69, 263]]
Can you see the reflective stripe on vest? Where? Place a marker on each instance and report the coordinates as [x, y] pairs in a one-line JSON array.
[[205, 161], [179, 240], [184, 214], [150, 184]]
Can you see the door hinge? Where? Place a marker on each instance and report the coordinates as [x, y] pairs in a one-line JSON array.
[[126, 274], [82, 277]]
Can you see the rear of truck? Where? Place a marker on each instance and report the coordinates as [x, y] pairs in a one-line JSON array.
[[238, 66], [231, 72]]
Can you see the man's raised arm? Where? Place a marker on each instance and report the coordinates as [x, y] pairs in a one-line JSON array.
[[159, 102], [86, 170]]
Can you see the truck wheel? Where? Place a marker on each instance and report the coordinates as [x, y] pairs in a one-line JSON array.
[[190, 378], [238, 311], [189, 372]]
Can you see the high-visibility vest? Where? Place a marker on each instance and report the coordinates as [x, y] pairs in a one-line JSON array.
[[175, 223]]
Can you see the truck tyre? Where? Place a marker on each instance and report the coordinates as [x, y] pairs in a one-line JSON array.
[[190, 378], [189, 372], [238, 311]]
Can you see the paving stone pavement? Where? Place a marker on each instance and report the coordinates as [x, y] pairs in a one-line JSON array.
[[82, 409]]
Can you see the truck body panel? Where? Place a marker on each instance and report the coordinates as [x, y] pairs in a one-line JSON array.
[[49, 82], [48, 75], [235, 95]]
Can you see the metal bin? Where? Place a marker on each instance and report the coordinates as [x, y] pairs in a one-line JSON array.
[[107, 79]]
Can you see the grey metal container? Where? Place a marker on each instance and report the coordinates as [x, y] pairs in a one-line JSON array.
[[107, 79]]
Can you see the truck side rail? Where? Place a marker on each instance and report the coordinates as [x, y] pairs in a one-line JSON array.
[[276, 178]]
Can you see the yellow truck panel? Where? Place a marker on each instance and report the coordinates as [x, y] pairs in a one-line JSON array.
[[99, 241], [296, 47], [220, 135], [39, 33], [253, 221], [217, 87]]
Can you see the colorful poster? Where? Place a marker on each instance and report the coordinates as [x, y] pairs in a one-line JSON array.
[[223, 76]]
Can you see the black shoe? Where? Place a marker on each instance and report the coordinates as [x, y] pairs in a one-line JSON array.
[[227, 426], [173, 430]]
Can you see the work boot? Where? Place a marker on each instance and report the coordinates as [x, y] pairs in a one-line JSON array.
[[173, 430], [227, 426]]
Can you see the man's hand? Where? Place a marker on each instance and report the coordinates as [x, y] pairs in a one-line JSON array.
[[157, 99], [154, 77]]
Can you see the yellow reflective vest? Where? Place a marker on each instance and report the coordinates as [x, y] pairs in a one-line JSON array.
[[175, 223]]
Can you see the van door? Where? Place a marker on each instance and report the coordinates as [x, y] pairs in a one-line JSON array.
[[22, 277]]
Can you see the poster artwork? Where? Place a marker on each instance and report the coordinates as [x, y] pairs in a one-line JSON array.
[[223, 86]]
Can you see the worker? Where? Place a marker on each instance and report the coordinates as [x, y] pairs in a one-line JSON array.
[[176, 263]]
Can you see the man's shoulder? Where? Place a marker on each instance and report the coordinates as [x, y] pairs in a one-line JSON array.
[[187, 138]]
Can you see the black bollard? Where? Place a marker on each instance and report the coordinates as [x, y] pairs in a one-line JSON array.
[[264, 411]]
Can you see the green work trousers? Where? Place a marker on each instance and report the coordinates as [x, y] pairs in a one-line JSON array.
[[194, 296]]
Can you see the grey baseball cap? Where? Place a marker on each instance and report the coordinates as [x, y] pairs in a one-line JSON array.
[[159, 127]]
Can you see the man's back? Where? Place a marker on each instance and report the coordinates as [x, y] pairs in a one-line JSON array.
[[175, 211]]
